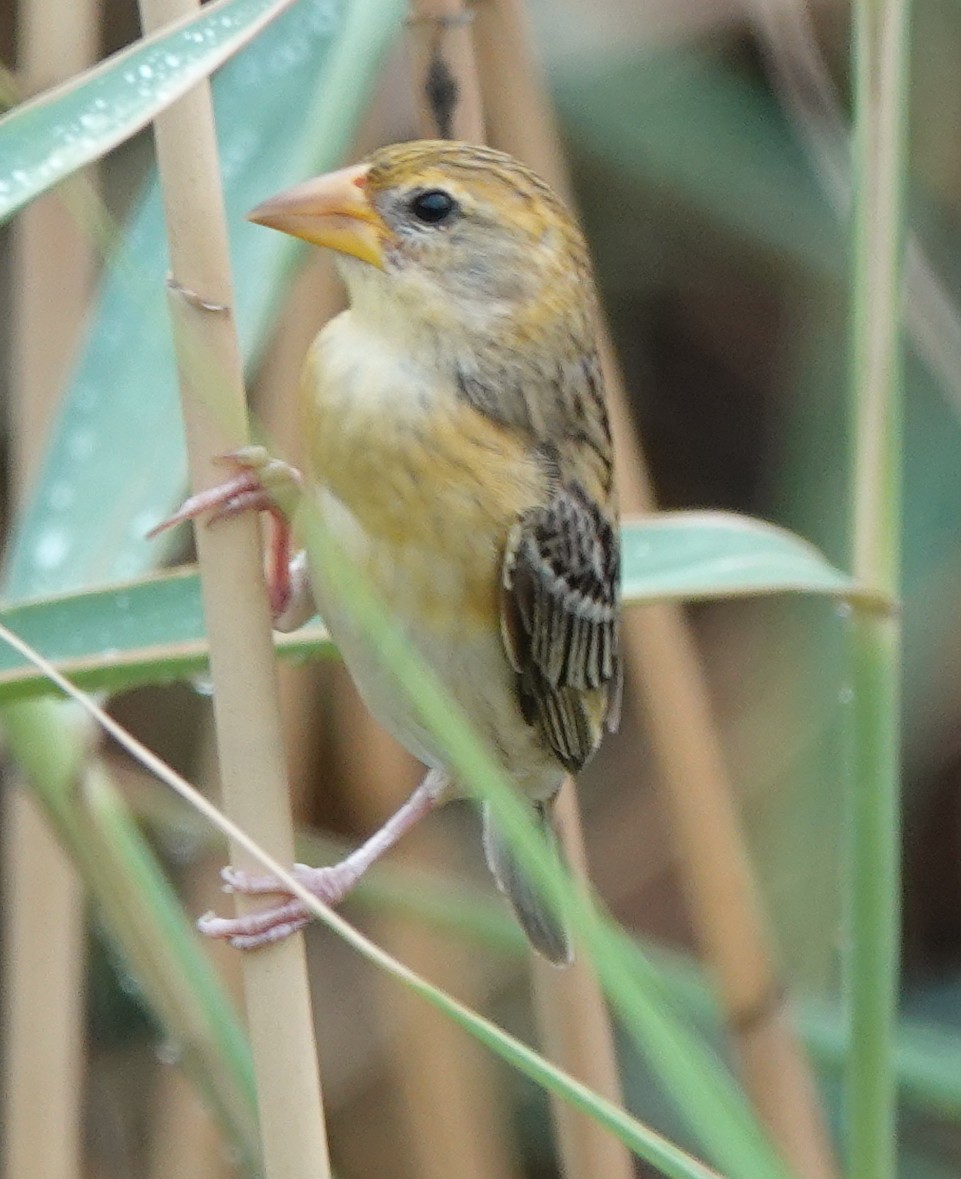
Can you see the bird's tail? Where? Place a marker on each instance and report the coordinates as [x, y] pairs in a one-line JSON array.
[[545, 932]]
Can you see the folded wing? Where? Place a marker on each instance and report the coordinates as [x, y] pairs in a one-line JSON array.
[[559, 619]]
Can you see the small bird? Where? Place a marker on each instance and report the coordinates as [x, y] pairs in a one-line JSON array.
[[459, 449]]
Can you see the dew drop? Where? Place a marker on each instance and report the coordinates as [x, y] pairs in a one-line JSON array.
[[51, 549]]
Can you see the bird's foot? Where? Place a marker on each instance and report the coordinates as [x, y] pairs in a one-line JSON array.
[[252, 931], [262, 484]]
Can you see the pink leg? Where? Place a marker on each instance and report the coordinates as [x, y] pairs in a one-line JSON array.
[[254, 489], [330, 884]]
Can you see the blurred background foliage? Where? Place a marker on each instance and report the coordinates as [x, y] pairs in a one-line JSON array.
[[723, 268]]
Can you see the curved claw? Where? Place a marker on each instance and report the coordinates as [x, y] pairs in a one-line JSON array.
[[239, 881], [263, 484], [226, 499], [254, 930], [255, 488]]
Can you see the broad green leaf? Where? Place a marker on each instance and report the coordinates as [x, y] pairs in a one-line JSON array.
[[141, 632], [46, 139], [693, 555], [286, 106], [151, 630]]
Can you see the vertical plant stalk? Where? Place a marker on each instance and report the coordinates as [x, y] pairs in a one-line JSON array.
[[81, 803], [719, 881], [235, 605], [44, 928], [880, 68], [448, 87]]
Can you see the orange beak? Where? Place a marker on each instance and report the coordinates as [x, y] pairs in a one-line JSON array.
[[331, 211]]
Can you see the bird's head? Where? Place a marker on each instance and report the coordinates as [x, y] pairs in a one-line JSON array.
[[449, 237]]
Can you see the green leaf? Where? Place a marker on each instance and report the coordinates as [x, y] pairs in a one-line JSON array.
[[140, 632], [151, 630], [695, 555], [45, 140]]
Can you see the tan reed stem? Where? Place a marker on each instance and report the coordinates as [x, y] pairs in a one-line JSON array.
[[43, 936], [663, 659], [238, 623]]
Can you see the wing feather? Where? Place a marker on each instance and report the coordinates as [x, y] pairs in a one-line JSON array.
[[559, 619]]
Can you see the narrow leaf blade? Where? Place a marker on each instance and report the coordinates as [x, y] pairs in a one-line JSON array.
[[43, 141]]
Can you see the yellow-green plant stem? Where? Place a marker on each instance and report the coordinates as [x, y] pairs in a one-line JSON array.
[[880, 70]]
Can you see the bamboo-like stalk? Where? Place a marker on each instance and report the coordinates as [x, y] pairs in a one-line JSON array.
[[43, 939], [44, 932], [880, 70], [447, 51], [235, 605], [661, 654]]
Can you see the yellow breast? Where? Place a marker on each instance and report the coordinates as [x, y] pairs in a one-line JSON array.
[[433, 485]]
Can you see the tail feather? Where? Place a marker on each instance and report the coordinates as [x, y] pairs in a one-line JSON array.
[[544, 930]]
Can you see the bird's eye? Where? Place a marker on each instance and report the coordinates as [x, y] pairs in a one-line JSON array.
[[433, 207]]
